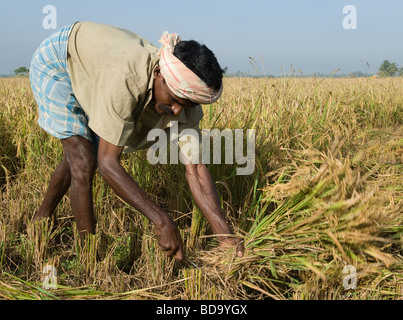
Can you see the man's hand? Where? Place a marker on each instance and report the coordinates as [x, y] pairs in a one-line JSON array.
[[170, 240], [237, 243]]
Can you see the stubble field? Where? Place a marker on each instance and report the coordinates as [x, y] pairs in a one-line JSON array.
[[326, 196]]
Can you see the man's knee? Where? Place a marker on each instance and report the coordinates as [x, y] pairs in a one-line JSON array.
[[81, 159], [82, 169]]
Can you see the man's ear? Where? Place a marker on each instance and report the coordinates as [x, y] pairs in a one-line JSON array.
[[157, 72]]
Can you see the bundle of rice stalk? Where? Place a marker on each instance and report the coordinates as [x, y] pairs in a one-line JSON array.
[[324, 219], [14, 288]]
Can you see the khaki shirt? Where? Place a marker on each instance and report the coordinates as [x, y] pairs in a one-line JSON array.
[[111, 72]]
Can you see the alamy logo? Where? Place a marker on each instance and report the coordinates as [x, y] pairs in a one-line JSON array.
[[350, 20], [350, 281], [50, 280], [49, 22], [189, 147]]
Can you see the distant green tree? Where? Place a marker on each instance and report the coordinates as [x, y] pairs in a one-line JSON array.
[[359, 74], [388, 69], [21, 71], [400, 72]]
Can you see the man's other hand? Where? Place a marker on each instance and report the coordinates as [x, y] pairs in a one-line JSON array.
[[170, 240]]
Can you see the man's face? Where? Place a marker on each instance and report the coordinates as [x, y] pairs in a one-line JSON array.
[[164, 101]]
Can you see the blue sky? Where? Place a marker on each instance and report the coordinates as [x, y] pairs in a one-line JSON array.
[[307, 34]]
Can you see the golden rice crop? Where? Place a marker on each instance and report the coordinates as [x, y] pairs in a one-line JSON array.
[[326, 193]]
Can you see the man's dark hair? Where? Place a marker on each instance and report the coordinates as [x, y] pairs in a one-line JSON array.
[[202, 61]]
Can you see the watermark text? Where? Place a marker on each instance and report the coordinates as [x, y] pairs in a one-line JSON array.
[[350, 20], [49, 22], [189, 147]]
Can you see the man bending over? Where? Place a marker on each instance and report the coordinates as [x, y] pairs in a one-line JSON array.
[[100, 90]]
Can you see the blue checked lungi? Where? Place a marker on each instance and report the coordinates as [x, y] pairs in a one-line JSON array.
[[60, 114]]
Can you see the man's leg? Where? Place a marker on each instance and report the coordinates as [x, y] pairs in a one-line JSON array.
[[58, 186], [81, 159]]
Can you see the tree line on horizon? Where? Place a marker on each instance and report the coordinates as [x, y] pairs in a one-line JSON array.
[[386, 69]]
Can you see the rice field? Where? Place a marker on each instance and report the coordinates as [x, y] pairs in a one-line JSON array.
[[326, 196]]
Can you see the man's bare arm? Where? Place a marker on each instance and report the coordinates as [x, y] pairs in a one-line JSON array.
[[205, 195], [125, 187]]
